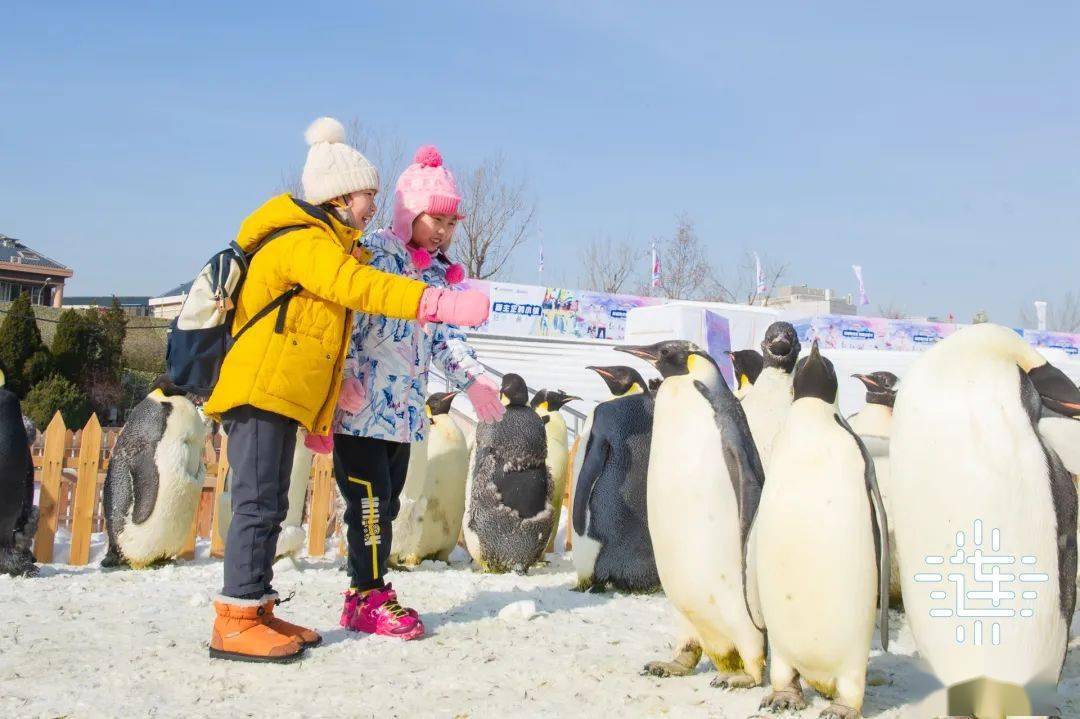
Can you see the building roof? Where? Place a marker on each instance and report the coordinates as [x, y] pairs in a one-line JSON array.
[[175, 291], [14, 252], [106, 301]]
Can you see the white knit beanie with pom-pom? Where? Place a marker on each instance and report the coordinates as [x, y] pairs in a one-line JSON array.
[[333, 168]]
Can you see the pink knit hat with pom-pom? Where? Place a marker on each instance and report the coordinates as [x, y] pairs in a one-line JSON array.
[[425, 186]]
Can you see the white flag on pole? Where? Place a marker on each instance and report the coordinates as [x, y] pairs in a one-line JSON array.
[[1040, 314], [759, 276], [863, 299]]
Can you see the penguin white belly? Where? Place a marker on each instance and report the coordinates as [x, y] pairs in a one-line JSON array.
[[292, 537], [181, 473], [815, 557], [472, 541], [766, 405], [963, 451], [694, 522], [558, 458], [438, 511]]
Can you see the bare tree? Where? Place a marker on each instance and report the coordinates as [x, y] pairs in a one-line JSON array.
[[499, 214], [1061, 316], [385, 150], [891, 311], [685, 271], [741, 287], [607, 265]]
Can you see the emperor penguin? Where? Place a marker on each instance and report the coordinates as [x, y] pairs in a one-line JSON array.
[[620, 381], [155, 479], [747, 365], [547, 403], [18, 516], [821, 551], [433, 500], [873, 424], [610, 515], [704, 482], [974, 481], [768, 399], [508, 511]]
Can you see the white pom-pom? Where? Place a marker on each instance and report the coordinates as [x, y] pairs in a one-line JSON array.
[[325, 129]]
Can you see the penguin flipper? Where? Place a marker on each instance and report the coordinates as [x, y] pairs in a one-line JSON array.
[[880, 525], [745, 472], [140, 454], [596, 454]]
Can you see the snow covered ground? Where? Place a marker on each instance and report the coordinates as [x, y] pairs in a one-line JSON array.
[[82, 642]]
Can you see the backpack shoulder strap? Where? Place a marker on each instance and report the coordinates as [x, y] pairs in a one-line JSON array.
[[281, 301]]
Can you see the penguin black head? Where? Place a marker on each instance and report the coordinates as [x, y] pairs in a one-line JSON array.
[[167, 387], [780, 348], [439, 403], [880, 387], [815, 377], [669, 357], [747, 365], [1057, 391], [551, 400], [620, 379], [514, 393]]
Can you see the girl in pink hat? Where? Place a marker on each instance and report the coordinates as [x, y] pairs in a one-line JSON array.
[[381, 411]]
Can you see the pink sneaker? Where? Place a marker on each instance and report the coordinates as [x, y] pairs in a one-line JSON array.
[[378, 612]]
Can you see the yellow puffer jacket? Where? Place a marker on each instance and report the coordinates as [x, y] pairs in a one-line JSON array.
[[297, 372]]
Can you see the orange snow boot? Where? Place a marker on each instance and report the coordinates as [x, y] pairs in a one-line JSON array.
[[301, 635], [240, 633]]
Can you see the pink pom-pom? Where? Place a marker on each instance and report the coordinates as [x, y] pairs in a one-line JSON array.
[[455, 274], [428, 156], [420, 257]]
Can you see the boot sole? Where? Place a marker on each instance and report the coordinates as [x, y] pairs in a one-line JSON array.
[[237, 657]]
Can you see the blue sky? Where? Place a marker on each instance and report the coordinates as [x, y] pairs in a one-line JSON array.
[[936, 144]]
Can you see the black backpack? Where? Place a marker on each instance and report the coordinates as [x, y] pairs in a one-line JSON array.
[[201, 334]]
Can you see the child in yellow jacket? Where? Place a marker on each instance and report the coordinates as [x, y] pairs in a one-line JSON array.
[[285, 373]]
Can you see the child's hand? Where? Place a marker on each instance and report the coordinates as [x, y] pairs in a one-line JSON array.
[[467, 308], [484, 395], [352, 396], [319, 443]]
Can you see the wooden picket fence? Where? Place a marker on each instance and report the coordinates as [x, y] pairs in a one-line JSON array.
[[70, 468], [69, 473]]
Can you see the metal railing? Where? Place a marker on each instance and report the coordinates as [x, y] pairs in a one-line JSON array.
[[577, 418]]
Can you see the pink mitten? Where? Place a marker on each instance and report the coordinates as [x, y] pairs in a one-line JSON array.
[[484, 395], [319, 443], [351, 398], [467, 308]]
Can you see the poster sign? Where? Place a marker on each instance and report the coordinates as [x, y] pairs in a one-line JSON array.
[[529, 310]]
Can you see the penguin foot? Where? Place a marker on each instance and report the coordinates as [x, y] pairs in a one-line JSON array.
[[667, 669], [838, 711], [787, 700], [683, 664], [733, 681], [17, 563], [112, 558]]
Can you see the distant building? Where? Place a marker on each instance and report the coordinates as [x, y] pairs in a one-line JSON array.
[[25, 270], [804, 300], [132, 306], [167, 305]]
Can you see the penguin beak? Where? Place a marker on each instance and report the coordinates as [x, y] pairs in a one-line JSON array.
[[1057, 390], [649, 353], [865, 379], [602, 372]]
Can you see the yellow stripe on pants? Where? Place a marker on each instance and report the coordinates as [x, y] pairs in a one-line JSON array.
[[372, 525]]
